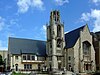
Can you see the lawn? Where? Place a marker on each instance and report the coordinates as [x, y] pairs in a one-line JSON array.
[[14, 73]]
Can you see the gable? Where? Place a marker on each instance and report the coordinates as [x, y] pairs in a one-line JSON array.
[[86, 30], [72, 37]]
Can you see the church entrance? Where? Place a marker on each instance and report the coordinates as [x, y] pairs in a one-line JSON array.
[[59, 66], [87, 67]]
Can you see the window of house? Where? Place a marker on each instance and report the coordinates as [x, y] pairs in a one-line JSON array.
[[27, 66], [24, 57], [16, 57], [28, 57], [33, 57], [39, 67], [30, 66]]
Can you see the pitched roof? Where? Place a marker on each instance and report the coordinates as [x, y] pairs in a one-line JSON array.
[[98, 35], [24, 46], [72, 36]]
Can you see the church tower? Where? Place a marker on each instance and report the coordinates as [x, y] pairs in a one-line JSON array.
[[55, 42]]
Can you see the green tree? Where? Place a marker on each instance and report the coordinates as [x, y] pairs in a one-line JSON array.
[[1, 61]]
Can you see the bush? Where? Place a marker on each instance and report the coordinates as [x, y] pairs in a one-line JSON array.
[[14, 73]]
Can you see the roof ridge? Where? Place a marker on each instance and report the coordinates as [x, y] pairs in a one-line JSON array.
[[75, 29], [27, 39], [72, 36]]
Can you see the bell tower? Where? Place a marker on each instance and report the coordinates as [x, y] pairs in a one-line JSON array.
[[55, 42]]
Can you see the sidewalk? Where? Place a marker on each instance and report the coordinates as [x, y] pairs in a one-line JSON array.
[[9, 73]]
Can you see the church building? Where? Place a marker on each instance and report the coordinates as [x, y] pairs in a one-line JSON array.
[[26, 54], [96, 43], [72, 51], [79, 50], [55, 42]]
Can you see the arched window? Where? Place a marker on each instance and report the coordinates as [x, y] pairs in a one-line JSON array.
[[59, 42], [59, 31], [86, 47]]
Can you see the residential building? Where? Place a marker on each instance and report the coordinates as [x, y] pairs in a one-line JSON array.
[[26, 54], [79, 50]]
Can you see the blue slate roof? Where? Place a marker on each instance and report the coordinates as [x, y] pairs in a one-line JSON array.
[[25, 46], [72, 36]]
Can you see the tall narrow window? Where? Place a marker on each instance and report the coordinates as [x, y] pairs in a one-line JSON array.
[[16, 57], [39, 67], [28, 57], [30, 66], [59, 31], [69, 58], [50, 44], [58, 42], [33, 57], [86, 47], [50, 31], [24, 57], [27, 66]]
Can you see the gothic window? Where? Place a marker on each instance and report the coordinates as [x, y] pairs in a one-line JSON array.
[[50, 45], [69, 66], [58, 42], [55, 17], [50, 32], [69, 58], [59, 31], [86, 47]]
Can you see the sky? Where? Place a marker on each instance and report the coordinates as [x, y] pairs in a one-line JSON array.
[[28, 18]]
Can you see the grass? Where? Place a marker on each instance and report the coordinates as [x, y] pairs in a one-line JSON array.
[[14, 73], [19, 73]]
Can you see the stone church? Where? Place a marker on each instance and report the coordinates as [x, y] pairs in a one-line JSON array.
[[96, 43], [79, 50], [72, 51], [55, 42]]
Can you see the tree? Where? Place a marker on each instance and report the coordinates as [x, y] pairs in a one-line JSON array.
[[1, 61]]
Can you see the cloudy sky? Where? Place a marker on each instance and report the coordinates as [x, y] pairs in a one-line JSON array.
[[28, 18]]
